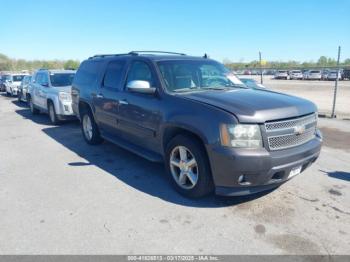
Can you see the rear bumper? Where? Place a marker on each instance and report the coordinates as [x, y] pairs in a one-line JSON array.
[[262, 170]]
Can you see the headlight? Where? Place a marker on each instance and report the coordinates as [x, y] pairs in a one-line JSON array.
[[247, 136], [65, 96]]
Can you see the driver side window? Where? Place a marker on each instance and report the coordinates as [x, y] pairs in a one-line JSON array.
[[141, 71]]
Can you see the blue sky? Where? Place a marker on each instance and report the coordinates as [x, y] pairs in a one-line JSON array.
[[236, 30]]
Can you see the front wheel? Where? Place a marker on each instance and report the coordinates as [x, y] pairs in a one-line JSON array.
[[89, 129], [33, 110], [52, 113], [188, 167]]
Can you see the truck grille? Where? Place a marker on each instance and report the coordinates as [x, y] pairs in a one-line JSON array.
[[290, 133]]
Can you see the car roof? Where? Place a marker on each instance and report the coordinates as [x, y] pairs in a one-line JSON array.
[[151, 55], [56, 71]]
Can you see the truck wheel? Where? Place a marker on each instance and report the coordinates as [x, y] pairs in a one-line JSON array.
[[89, 128], [188, 167], [52, 113], [34, 110], [19, 97]]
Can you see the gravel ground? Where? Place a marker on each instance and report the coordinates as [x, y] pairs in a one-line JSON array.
[[59, 195]]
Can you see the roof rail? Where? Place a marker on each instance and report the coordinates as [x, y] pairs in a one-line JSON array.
[[154, 52], [104, 55]]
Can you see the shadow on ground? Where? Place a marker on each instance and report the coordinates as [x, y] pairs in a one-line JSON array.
[[338, 174], [127, 167]]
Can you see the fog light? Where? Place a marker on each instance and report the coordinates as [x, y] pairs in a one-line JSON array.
[[242, 181]]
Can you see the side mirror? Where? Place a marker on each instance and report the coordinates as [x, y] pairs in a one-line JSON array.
[[45, 84], [140, 86]]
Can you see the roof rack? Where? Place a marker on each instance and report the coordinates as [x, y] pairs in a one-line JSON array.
[[154, 52], [104, 55]]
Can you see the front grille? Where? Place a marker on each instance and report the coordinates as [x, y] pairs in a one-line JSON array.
[[290, 133]]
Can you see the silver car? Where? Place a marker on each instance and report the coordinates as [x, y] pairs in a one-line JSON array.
[[281, 74], [12, 82], [23, 89], [50, 92], [314, 75], [334, 74], [295, 74]]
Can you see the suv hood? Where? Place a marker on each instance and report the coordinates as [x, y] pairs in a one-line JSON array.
[[255, 106]]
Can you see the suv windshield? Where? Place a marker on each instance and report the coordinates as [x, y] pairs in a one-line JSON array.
[[61, 79], [17, 78], [193, 75]]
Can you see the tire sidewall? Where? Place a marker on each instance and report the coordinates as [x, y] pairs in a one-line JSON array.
[[204, 184], [96, 137]]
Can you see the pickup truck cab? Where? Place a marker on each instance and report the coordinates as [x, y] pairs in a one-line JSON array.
[[50, 91], [212, 132]]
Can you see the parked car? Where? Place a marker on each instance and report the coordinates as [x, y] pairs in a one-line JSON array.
[[281, 74], [346, 74], [314, 75], [50, 92], [251, 83], [334, 74], [212, 134], [296, 74], [23, 88], [12, 82], [325, 73], [2, 85]]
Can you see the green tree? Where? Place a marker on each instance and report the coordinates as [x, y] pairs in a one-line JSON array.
[[71, 64]]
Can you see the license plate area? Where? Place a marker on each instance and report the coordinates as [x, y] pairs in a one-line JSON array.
[[295, 171]]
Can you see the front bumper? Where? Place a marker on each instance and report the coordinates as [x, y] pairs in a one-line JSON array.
[[65, 111], [262, 169]]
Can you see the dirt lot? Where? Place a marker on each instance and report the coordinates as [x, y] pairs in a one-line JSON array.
[[320, 92], [60, 196]]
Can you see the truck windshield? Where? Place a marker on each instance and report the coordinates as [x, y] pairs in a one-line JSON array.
[[193, 75], [61, 79]]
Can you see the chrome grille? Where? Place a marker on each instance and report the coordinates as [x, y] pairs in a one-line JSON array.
[[290, 133], [291, 123]]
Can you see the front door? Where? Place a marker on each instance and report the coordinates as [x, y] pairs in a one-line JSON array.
[[139, 114]]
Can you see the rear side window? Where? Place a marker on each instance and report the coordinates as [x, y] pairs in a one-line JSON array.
[[114, 74], [88, 72]]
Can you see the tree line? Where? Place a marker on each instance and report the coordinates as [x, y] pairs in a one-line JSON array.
[[322, 62], [10, 64]]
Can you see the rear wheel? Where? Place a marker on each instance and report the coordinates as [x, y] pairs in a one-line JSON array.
[[89, 128], [188, 167]]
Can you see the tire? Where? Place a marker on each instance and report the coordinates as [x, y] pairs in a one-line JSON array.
[[197, 181], [90, 131], [19, 97], [52, 113], [33, 110]]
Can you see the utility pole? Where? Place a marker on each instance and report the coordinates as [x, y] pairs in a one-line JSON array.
[[261, 71], [336, 85]]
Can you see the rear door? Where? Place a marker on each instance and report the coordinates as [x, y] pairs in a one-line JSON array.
[[107, 96], [139, 114]]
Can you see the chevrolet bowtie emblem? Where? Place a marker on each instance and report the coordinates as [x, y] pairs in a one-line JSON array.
[[298, 130]]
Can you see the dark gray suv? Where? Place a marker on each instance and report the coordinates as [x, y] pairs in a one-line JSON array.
[[212, 132]]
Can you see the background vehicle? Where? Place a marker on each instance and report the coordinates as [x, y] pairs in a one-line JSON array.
[[325, 73], [50, 91], [314, 75], [251, 83], [12, 82], [187, 112], [281, 74], [334, 74], [346, 74], [295, 74], [23, 88]]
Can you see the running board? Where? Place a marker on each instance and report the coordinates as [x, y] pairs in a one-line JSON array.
[[149, 155]]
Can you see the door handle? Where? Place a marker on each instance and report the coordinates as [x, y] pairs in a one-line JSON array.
[[123, 102], [99, 96]]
